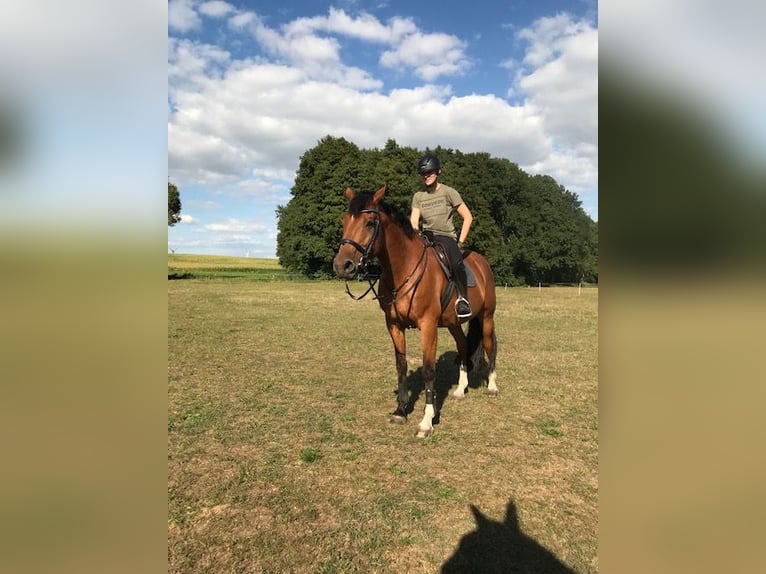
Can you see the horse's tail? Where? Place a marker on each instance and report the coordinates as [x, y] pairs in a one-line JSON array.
[[475, 349]]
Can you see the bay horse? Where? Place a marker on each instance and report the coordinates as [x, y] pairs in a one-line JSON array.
[[412, 283]]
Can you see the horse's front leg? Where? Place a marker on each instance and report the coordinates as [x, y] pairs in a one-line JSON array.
[[429, 338], [399, 416]]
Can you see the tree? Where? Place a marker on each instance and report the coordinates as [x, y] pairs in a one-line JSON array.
[[174, 205], [309, 226], [530, 228]]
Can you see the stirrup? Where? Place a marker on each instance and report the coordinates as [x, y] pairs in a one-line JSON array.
[[467, 304]]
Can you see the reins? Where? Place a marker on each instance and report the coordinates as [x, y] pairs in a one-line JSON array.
[[412, 287], [372, 279]]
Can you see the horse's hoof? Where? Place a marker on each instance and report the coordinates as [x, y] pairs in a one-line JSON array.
[[457, 397], [491, 392], [424, 433], [397, 420]]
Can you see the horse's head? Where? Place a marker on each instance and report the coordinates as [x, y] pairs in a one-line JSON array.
[[361, 230]]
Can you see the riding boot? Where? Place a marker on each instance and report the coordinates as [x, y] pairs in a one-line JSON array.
[[462, 306]]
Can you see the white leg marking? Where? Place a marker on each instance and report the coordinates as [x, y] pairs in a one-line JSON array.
[[426, 425], [462, 383], [492, 383]]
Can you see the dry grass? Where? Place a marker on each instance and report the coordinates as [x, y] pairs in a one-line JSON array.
[[281, 459]]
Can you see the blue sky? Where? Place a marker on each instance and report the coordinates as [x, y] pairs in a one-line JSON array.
[[253, 85]]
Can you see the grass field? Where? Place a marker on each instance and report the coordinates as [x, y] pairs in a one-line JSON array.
[[182, 266], [281, 459]]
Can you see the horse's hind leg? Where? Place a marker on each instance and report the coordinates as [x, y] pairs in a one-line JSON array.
[[462, 383], [490, 347], [462, 351]]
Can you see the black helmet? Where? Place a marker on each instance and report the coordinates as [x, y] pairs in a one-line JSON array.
[[429, 163]]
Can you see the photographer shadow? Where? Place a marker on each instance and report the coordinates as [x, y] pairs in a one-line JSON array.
[[501, 547]]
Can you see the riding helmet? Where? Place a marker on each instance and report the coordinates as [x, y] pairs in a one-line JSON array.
[[429, 163]]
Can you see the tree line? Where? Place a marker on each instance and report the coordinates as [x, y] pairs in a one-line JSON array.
[[531, 229]]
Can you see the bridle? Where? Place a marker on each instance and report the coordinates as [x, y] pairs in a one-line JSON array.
[[371, 275]]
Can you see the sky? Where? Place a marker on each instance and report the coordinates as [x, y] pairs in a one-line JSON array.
[[112, 99], [254, 85]]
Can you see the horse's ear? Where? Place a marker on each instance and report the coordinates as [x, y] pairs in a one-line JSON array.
[[379, 194], [349, 193], [512, 515], [481, 520]]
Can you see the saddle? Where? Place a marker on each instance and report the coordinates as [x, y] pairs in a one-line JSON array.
[[446, 265]]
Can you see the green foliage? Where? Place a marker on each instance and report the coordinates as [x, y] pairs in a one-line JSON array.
[[549, 426], [174, 205], [309, 225], [530, 228], [309, 455]]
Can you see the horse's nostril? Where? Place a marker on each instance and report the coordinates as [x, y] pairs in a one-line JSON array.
[[345, 268]]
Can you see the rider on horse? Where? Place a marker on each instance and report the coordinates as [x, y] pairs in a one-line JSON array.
[[435, 204]]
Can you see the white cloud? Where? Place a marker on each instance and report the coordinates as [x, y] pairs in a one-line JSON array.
[[216, 8], [194, 64], [182, 16], [559, 79], [576, 167], [243, 20], [317, 57], [237, 227], [256, 117], [310, 44], [188, 219], [296, 47], [565, 88], [428, 55], [364, 27], [545, 36]]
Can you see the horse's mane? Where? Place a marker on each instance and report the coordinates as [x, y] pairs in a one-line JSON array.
[[363, 199]]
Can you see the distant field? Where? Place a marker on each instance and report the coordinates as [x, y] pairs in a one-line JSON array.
[[281, 457], [206, 266]]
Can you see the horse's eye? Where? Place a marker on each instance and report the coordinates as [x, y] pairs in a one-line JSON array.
[[370, 223]]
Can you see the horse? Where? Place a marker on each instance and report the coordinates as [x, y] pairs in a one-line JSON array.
[[412, 286]]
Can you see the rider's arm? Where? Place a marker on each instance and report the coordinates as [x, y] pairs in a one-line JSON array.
[[415, 218], [467, 216]]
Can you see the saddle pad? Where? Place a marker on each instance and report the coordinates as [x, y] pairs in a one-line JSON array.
[[470, 277]]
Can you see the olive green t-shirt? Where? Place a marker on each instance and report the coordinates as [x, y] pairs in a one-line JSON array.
[[436, 209]]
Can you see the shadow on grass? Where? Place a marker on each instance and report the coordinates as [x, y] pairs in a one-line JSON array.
[[503, 548], [447, 374], [187, 275]]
